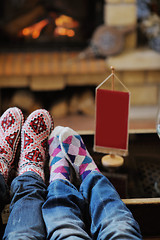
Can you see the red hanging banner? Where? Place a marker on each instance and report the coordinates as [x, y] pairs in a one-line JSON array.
[[112, 111]]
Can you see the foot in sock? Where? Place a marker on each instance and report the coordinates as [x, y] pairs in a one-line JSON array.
[[34, 139], [59, 166], [10, 126], [76, 153]]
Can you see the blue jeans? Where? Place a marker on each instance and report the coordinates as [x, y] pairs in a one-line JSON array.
[[4, 199], [28, 193], [94, 212]]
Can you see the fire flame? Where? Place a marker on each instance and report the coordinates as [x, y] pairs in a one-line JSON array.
[[65, 26], [64, 32], [66, 22], [34, 30]]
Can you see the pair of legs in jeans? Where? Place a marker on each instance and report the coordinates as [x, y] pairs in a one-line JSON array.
[[59, 211]]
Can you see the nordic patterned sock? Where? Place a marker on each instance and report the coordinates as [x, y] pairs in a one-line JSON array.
[[76, 153], [34, 139], [10, 126], [59, 166]]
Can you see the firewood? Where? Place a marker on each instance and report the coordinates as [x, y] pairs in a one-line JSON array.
[[73, 104], [86, 103], [59, 109], [25, 100], [13, 27]]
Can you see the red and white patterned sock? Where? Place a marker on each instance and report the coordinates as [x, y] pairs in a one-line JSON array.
[[76, 153], [10, 126], [34, 140], [59, 166]]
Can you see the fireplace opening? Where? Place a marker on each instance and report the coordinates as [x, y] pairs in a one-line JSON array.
[[52, 24]]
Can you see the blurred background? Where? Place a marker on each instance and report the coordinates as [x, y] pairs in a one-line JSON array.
[[54, 53]]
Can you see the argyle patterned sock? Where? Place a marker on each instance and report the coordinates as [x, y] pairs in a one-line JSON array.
[[10, 126], [76, 153], [59, 167], [34, 139]]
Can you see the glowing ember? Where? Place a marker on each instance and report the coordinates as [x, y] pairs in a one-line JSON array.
[[64, 26], [66, 22], [64, 32], [34, 30]]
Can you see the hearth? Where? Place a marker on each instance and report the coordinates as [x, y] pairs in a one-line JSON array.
[[56, 24]]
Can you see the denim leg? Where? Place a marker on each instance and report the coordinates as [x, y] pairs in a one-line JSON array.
[[28, 193], [4, 193], [4, 198], [62, 212], [111, 219]]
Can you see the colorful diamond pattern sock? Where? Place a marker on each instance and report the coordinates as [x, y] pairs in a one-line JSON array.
[[10, 126], [76, 153], [34, 139], [59, 166]]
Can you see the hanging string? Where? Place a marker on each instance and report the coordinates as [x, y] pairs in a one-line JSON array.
[[113, 81], [112, 68]]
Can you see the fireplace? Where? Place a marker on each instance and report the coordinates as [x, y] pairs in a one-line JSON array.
[[52, 24]]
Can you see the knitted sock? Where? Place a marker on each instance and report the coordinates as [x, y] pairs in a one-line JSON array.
[[59, 167], [10, 127], [34, 138], [76, 153]]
